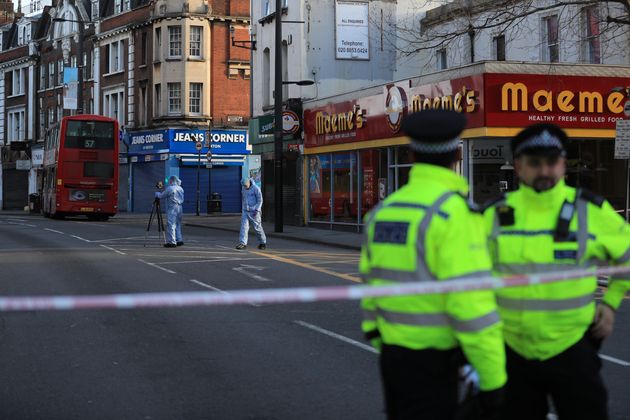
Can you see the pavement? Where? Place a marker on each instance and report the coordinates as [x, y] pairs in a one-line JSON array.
[[231, 222]]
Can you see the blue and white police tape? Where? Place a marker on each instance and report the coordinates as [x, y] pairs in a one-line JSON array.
[[288, 295]]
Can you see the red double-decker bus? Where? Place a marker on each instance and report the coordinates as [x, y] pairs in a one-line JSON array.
[[81, 168]]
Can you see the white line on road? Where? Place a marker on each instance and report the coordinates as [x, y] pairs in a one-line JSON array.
[[243, 270], [80, 238], [19, 224], [614, 360], [119, 239], [112, 249], [156, 266], [217, 259], [207, 286], [55, 231], [337, 336]]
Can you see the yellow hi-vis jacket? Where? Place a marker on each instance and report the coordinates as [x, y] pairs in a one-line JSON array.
[[426, 231], [541, 321]]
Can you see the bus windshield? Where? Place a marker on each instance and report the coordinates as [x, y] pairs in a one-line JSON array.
[[90, 135]]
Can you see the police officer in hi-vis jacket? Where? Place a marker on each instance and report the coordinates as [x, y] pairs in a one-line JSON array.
[[553, 331], [427, 231]]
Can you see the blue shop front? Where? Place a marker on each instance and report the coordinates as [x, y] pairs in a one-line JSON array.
[[155, 155]]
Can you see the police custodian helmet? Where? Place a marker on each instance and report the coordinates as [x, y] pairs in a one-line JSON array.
[[540, 139], [434, 131]]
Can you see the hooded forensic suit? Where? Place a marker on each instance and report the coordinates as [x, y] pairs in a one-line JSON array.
[[252, 205], [174, 196]]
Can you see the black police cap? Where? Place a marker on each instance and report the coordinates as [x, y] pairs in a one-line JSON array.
[[540, 139], [434, 131]]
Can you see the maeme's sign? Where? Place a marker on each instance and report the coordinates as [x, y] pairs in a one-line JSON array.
[[517, 100], [516, 97], [487, 99]]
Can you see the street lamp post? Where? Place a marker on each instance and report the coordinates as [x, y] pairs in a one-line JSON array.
[[277, 132]]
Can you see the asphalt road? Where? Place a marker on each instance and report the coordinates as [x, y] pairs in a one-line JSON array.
[[291, 361]]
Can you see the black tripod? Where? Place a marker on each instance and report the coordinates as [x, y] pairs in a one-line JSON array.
[[156, 211]]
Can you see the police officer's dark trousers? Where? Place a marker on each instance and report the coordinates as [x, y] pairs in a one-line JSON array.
[[572, 379], [419, 384]]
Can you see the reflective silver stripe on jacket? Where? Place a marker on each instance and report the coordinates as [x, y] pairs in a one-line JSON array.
[[421, 262], [440, 319], [624, 258], [496, 230], [544, 304], [582, 234], [369, 315], [533, 268]]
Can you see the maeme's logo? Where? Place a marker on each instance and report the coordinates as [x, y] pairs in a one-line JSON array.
[[516, 97], [395, 106], [343, 121], [462, 101]]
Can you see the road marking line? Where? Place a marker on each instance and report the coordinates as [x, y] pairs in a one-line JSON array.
[[336, 262], [243, 270], [225, 247], [337, 336], [202, 284], [18, 224], [53, 230], [157, 266], [112, 249], [80, 238], [614, 360], [218, 259], [207, 286], [308, 266], [118, 239]]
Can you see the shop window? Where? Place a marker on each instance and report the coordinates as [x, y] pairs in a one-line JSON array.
[[345, 185], [373, 179], [319, 187], [591, 165]]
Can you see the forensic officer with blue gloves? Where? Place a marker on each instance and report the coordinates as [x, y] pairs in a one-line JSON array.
[[174, 195], [251, 201], [427, 231]]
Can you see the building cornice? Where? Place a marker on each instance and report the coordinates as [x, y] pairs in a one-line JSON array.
[[17, 62]]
